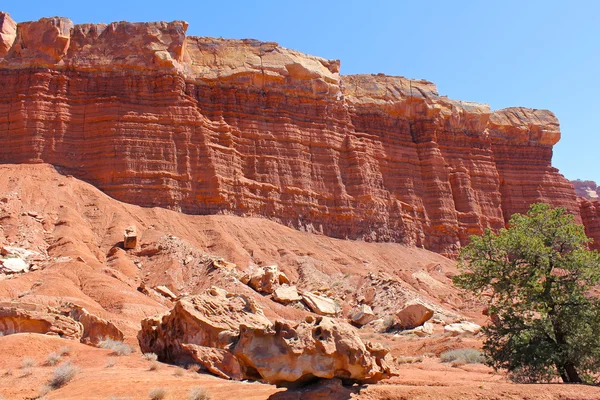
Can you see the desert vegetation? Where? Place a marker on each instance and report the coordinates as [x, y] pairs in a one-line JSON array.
[[537, 276]]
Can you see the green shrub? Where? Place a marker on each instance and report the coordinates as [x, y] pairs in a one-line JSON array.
[[463, 356]]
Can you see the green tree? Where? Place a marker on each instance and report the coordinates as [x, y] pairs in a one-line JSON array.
[[539, 278]]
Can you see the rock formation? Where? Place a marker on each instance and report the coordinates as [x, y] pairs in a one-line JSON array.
[[74, 323], [229, 336], [206, 126]]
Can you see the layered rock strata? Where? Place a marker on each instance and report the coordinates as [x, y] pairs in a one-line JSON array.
[[206, 126]]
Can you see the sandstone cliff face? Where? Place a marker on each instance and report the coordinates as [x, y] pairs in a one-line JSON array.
[[207, 126]]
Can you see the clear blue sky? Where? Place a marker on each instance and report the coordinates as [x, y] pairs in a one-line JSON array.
[[538, 54]]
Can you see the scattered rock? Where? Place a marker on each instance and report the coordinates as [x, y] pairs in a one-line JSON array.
[[424, 330], [130, 238], [166, 292], [414, 314], [320, 305], [362, 315], [267, 279], [286, 294], [13, 266], [462, 328]]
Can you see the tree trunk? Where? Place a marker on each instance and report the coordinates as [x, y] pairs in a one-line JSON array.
[[572, 373]]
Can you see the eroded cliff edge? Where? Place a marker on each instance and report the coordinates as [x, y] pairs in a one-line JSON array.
[[204, 125]]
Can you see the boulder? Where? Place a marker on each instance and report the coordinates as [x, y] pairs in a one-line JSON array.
[[414, 314], [95, 329], [166, 292], [462, 328], [13, 265], [229, 336], [286, 294], [130, 238], [320, 305], [362, 315], [211, 319], [316, 348], [33, 318], [267, 279], [424, 330]]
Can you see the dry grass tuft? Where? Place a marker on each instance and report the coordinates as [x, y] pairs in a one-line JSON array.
[[118, 347], [157, 394], [53, 359], [149, 356], [199, 393], [62, 375]]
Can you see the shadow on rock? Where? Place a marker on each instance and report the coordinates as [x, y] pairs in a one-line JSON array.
[[330, 389]]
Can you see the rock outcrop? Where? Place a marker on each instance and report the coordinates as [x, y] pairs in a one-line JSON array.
[[206, 126], [73, 323], [229, 336]]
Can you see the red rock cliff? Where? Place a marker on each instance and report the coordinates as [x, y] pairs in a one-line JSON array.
[[206, 125]]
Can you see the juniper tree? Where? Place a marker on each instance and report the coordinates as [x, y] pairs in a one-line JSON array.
[[539, 277]]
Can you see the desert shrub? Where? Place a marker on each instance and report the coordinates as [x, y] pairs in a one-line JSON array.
[[178, 372], [388, 323], [193, 367], [65, 351], [149, 356], [118, 347], [110, 364], [409, 360], [62, 375], [154, 366], [157, 394], [27, 362], [53, 359], [199, 393], [463, 356]]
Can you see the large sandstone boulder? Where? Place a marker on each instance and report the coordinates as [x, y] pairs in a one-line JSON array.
[[211, 319], [130, 238], [414, 314], [229, 336], [317, 348]]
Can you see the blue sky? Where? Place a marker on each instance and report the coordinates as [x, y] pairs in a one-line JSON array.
[[538, 54]]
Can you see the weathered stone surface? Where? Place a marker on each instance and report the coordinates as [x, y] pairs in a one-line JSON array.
[[462, 328], [8, 33], [266, 279], [414, 314], [586, 189], [165, 291], [211, 319], [210, 126], [130, 238], [95, 329], [322, 348], [221, 363], [286, 294], [34, 318], [424, 330], [320, 305], [362, 315], [229, 335], [590, 214], [13, 265]]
